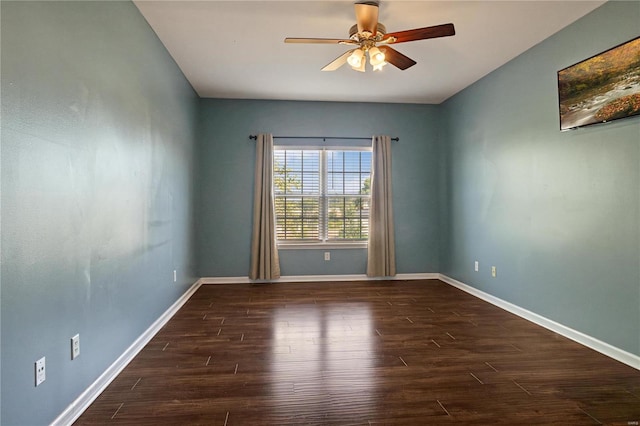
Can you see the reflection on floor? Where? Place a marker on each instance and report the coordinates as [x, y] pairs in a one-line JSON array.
[[416, 352], [332, 347]]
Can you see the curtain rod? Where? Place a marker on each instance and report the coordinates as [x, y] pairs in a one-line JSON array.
[[255, 137]]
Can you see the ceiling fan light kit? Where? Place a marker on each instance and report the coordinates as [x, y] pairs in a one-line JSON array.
[[379, 66], [367, 34], [375, 56], [356, 58]]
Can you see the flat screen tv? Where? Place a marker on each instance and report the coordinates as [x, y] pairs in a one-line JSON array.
[[602, 88]]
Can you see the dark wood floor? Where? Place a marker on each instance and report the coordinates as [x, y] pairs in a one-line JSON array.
[[399, 352]]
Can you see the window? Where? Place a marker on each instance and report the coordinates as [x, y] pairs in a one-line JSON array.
[[321, 195]]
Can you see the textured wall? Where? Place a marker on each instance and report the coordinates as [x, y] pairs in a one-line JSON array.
[[558, 213], [226, 162], [98, 131]]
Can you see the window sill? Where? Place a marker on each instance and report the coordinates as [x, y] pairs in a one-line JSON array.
[[322, 246]]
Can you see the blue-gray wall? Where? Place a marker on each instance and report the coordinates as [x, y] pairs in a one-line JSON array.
[[97, 156], [226, 164], [558, 213], [98, 140]]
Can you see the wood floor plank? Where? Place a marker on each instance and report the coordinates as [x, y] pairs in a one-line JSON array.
[[362, 353]]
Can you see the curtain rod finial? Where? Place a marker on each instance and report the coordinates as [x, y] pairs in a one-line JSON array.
[[254, 137]]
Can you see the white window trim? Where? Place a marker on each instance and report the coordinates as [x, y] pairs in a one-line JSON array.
[[321, 244]]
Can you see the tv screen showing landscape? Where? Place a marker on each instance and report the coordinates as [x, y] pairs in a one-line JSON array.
[[602, 88]]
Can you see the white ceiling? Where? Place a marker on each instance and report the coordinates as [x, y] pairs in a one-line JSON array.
[[235, 49]]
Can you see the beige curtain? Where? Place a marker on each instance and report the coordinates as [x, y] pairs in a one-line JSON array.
[[381, 257], [265, 264]]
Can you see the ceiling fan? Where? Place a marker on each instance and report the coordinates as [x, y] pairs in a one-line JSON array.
[[371, 37]]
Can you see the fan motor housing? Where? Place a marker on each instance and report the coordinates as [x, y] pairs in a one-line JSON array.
[[381, 31]]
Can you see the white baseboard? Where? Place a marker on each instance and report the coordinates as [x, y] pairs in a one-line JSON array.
[[318, 278], [77, 407], [577, 336]]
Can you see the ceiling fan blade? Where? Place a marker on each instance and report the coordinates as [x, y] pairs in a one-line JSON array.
[[367, 17], [443, 30], [338, 62], [396, 58], [319, 40]]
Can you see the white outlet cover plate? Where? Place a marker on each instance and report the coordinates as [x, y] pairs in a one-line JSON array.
[[40, 371], [75, 346]]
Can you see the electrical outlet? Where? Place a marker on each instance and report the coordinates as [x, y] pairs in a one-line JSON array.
[[494, 272], [476, 266], [327, 255], [175, 275], [75, 346], [40, 371]]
